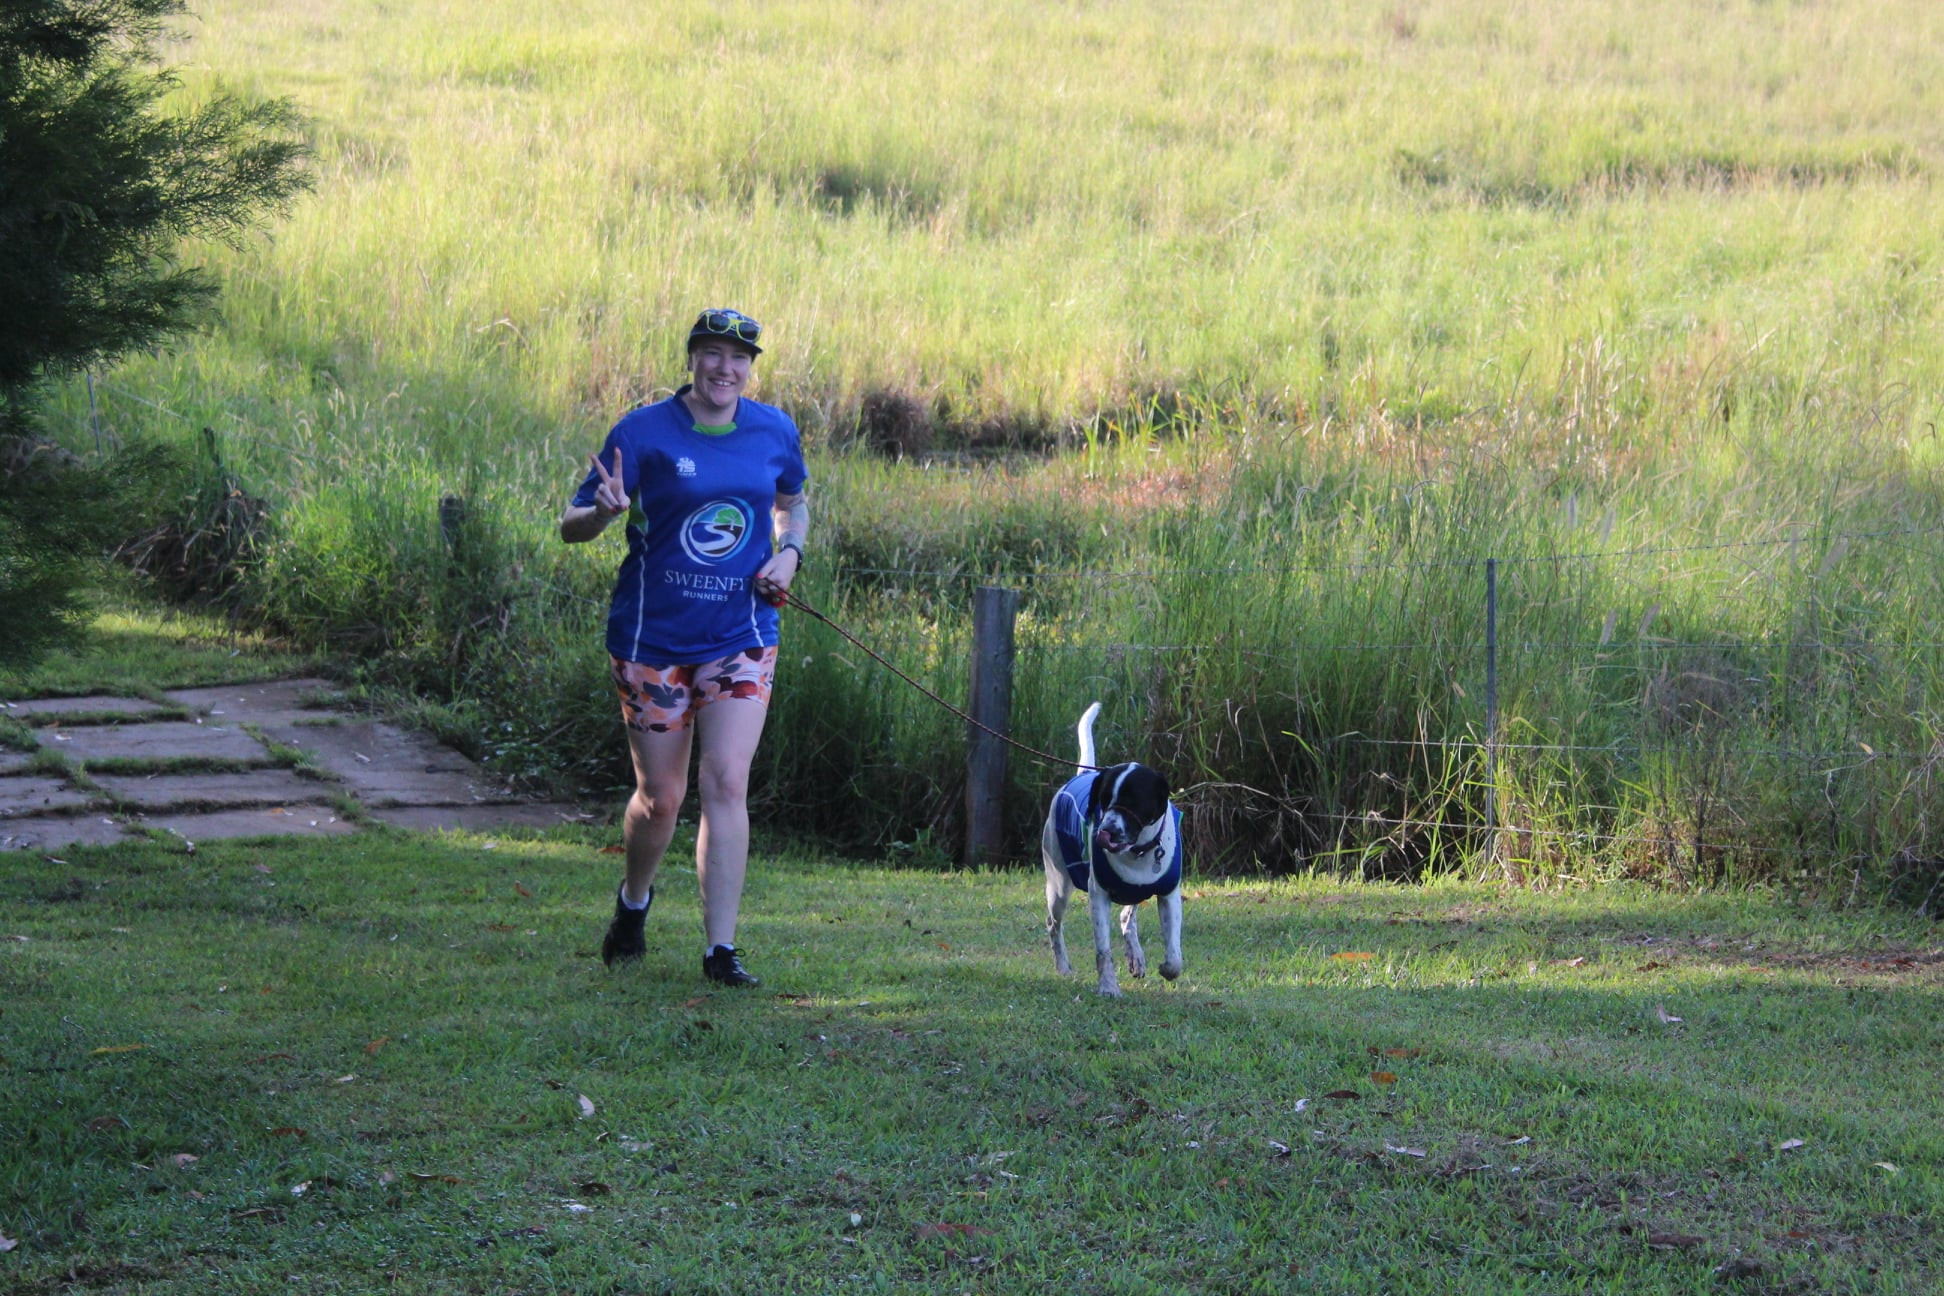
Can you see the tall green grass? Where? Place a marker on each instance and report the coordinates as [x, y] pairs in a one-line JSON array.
[[1305, 312]]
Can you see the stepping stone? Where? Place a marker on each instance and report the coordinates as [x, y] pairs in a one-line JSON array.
[[481, 818], [58, 832], [384, 765], [158, 740], [282, 821], [14, 762], [272, 702], [267, 787], [38, 795], [96, 704]]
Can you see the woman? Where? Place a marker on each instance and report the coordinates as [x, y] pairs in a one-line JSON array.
[[712, 486]]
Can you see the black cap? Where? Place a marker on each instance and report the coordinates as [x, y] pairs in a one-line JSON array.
[[727, 325]]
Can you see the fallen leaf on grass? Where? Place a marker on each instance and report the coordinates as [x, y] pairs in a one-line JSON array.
[[1666, 1018], [22, 939], [270, 1213], [522, 891], [1573, 962], [1519, 1141], [1353, 956], [949, 1230], [1789, 1145], [183, 1160], [1343, 1095], [371, 1049], [586, 1105], [345, 1079], [575, 1208], [1404, 1151], [115, 1048], [1885, 1165], [1302, 1104], [614, 850], [298, 1190], [7, 1243], [387, 1178], [1673, 1241], [1402, 1052], [1650, 966], [1280, 1150]]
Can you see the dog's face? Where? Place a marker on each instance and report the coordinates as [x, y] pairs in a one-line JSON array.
[[1129, 803]]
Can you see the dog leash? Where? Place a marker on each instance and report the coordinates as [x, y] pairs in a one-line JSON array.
[[787, 598]]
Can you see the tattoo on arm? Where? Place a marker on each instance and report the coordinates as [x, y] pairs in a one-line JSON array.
[[791, 519]]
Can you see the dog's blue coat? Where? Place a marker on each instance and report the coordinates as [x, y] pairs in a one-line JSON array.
[[1082, 857]]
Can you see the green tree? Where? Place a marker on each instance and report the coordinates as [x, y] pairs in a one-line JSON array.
[[101, 182]]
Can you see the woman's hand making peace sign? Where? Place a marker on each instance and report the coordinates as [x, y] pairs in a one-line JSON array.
[[611, 496]]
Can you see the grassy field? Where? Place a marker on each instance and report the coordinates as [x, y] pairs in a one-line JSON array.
[[1028, 212], [397, 1063], [1303, 311]]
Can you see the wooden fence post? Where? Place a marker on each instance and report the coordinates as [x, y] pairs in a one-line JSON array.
[[990, 703]]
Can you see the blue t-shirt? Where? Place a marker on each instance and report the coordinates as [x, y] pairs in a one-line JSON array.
[[1084, 861], [698, 530]]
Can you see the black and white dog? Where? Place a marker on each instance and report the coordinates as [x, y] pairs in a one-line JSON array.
[[1114, 834]]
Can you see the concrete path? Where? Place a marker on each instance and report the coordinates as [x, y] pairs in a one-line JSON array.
[[217, 762]]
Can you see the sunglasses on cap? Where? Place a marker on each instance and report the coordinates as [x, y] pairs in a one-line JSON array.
[[729, 324]]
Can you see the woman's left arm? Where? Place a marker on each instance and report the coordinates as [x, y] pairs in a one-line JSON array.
[[790, 525]]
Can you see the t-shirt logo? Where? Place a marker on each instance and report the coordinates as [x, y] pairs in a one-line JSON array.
[[685, 467], [714, 532]]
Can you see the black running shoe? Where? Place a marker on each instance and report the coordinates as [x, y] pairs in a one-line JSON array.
[[722, 966], [624, 941]]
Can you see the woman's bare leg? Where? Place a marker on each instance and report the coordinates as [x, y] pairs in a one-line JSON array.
[[730, 729]]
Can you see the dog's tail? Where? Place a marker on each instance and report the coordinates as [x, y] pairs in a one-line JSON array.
[[1086, 734]]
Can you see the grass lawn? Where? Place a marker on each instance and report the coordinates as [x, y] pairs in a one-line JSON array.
[[135, 648], [396, 1063]]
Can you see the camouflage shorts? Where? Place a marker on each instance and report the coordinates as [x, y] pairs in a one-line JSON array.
[[664, 699]]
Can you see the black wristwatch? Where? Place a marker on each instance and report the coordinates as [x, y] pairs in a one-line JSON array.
[[791, 544]]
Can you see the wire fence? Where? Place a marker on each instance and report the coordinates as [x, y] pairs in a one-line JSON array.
[[1496, 683], [1690, 723]]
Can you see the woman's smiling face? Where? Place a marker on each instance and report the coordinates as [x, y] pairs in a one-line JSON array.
[[720, 371]]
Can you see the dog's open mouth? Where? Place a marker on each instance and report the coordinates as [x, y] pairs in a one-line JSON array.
[[1112, 842]]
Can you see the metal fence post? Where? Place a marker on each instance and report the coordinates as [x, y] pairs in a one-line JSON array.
[[993, 613], [1491, 703]]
